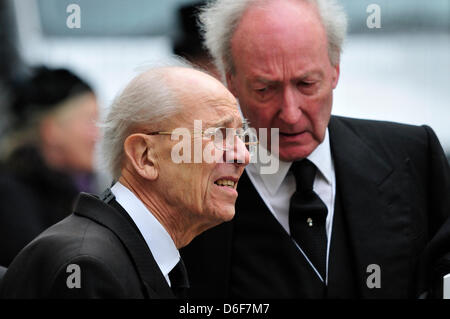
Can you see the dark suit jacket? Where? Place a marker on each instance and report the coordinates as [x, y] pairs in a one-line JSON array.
[[113, 258], [394, 182]]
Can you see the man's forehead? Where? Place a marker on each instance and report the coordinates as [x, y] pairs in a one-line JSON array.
[[220, 107], [268, 27]]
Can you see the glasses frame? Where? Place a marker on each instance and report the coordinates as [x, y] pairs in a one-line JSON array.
[[215, 129]]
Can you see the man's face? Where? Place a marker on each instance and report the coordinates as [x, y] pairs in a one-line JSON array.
[[283, 76], [200, 188]]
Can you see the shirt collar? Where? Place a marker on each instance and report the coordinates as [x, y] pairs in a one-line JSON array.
[[155, 235], [321, 157]]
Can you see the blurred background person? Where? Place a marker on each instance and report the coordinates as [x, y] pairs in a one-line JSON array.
[[189, 42], [47, 155]]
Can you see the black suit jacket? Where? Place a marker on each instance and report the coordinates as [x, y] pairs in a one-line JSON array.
[[113, 258], [394, 182]]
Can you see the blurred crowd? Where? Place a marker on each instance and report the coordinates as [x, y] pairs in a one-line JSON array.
[[47, 154]]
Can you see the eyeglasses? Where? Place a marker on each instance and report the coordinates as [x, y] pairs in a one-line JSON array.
[[217, 134]]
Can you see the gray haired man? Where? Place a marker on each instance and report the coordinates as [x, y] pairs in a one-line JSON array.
[[357, 209], [125, 243]]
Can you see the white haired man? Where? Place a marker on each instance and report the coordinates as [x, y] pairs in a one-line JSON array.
[[357, 208], [125, 243]]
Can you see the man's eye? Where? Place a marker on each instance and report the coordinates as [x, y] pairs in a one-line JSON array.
[[308, 87], [262, 90], [215, 133]]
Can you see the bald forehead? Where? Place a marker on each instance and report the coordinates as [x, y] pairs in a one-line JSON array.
[[202, 95], [278, 28], [274, 16], [188, 85], [194, 87], [215, 109], [191, 80]]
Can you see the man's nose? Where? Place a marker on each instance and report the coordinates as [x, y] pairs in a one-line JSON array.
[[290, 112], [238, 154]]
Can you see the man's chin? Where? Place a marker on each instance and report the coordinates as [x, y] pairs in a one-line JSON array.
[[228, 214], [292, 148], [293, 153]]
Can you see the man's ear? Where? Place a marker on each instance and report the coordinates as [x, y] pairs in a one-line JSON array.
[[336, 72], [230, 83], [138, 152]]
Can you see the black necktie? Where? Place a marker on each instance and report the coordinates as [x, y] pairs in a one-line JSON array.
[[179, 280], [307, 216]]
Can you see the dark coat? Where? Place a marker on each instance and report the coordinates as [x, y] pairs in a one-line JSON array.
[[394, 185], [32, 198], [103, 243]]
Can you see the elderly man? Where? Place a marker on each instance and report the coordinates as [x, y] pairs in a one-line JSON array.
[[356, 209], [125, 243]]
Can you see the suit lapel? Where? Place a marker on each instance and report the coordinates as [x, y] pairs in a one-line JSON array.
[[116, 220], [374, 210], [208, 262]]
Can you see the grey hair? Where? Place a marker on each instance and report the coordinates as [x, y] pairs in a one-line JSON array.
[[219, 20], [148, 99]]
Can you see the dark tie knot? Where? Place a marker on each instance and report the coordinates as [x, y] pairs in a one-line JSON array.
[[304, 172], [307, 194]]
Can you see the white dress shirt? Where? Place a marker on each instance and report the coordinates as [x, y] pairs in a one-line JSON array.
[[156, 236], [276, 189]]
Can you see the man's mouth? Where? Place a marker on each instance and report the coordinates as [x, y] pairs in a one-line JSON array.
[[291, 134], [297, 137], [227, 182]]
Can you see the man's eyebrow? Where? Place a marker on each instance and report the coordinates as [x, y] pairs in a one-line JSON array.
[[311, 73], [303, 76], [263, 80], [222, 122]]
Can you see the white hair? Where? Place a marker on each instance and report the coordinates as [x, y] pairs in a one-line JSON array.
[[219, 20], [148, 99]]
